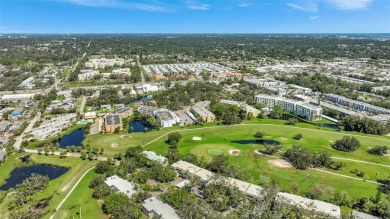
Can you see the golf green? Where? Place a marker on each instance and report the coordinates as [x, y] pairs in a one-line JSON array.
[[215, 152]]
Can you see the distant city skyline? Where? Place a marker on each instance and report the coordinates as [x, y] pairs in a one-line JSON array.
[[194, 16]]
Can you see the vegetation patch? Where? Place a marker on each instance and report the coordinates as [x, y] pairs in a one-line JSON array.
[[215, 152]]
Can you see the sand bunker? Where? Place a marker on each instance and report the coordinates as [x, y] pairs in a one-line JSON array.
[[257, 152], [280, 163], [114, 145], [234, 152], [196, 138]]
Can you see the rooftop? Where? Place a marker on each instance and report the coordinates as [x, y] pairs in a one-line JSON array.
[[153, 156], [123, 186], [160, 208], [112, 119]]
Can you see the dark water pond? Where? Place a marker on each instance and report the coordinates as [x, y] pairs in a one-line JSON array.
[[139, 126], [21, 173], [332, 126], [144, 99], [256, 141], [73, 138]]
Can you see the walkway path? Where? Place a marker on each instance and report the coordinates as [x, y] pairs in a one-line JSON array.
[[350, 177], [70, 192]]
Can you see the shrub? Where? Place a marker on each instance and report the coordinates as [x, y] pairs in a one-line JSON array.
[[298, 136], [379, 150], [347, 144]]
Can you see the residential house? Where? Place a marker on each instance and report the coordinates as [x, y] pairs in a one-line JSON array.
[[120, 185], [154, 208]]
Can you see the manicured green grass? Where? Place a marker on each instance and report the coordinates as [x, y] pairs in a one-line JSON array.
[[225, 138], [59, 187], [8, 165], [215, 152], [81, 198]]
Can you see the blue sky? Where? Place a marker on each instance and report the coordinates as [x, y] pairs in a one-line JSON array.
[[195, 16]]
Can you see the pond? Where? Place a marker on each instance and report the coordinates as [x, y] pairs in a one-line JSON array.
[[139, 126], [73, 138], [21, 173], [332, 126], [256, 141], [144, 99]]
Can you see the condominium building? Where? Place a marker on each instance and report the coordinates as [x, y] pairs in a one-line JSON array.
[[55, 126], [249, 109], [200, 110], [113, 122], [299, 108], [357, 105], [87, 75], [166, 118]]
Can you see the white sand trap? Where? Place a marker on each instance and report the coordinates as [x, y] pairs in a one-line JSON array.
[[330, 141], [234, 152], [283, 139], [257, 152], [196, 138], [114, 145], [280, 163]]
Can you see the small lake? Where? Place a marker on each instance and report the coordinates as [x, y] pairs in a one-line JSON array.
[[332, 126], [21, 173], [256, 141], [138, 126], [144, 99], [73, 138]]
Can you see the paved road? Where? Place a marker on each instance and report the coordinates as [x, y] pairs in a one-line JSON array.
[[19, 139], [82, 105], [142, 74], [57, 153]]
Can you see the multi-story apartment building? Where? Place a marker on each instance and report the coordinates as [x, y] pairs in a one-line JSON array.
[[357, 105], [299, 108]]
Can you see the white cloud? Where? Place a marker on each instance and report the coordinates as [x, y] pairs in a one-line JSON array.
[[197, 6], [244, 4], [308, 6], [118, 4], [314, 17], [349, 4]]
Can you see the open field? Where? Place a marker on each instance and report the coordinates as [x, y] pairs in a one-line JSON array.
[[242, 138], [89, 206], [59, 187]]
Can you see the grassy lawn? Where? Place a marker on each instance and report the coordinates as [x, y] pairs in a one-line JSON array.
[[6, 168], [59, 187], [226, 138], [89, 207]]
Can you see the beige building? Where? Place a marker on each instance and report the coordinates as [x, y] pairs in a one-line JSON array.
[[112, 122], [200, 110]]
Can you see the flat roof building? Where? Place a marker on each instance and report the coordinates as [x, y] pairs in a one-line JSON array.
[[154, 208], [120, 185], [166, 117], [153, 156], [112, 122]]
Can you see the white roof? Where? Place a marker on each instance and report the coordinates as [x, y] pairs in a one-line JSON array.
[[153, 156], [160, 208], [361, 215], [123, 186], [182, 183], [309, 204]]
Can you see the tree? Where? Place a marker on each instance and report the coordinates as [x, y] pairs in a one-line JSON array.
[[174, 138], [347, 144], [83, 155], [101, 191], [96, 180], [112, 201], [39, 150], [277, 112], [101, 150], [63, 154], [91, 155], [299, 157], [272, 148], [298, 136], [172, 155], [103, 167], [292, 121], [260, 134], [336, 165], [379, 150]]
